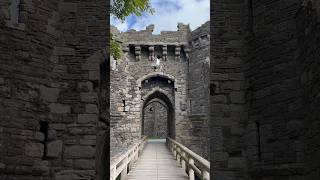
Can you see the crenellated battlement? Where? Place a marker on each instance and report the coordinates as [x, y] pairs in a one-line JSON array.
[[169, 45]]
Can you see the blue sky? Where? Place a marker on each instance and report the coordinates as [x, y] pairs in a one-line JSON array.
[[168, 14]]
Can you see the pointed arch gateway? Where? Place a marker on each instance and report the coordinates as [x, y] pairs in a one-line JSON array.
[[163, 99]]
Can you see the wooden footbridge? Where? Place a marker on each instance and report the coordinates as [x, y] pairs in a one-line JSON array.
[[159, 159]]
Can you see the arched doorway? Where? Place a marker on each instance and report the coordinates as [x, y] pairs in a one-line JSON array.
[[155, 119], [162, 124]]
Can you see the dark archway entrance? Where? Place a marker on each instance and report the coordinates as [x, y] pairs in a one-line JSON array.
[[163, 123]]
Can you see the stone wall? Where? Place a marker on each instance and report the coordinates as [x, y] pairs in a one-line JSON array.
[[227, 90], [308, 26], [48, 93], [274, 94], [198, 89], [264, 90]]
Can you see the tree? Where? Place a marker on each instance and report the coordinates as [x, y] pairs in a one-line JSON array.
[[122, 9]]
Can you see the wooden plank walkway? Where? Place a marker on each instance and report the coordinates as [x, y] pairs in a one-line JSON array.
[[157, 163]]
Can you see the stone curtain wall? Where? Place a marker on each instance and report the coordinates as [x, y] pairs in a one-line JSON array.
[[155, 120], [279, 89], [274, 105], [264, 90], [227, 90], [198, 89], [48, 93], [308, 26]]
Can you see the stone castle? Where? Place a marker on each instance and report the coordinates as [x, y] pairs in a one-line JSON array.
[[242, 90], [171, 98]]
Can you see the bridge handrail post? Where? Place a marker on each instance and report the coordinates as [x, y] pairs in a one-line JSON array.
[[113, 173], [190, 161], [205, 175], [125, 170], [179, 155], [183, 162], [120, 165], [191, 171]]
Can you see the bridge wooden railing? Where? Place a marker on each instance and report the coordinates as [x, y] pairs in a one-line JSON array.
[[121, 164], [190, 161]]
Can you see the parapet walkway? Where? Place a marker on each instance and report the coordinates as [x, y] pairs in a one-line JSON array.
[[157, 163]]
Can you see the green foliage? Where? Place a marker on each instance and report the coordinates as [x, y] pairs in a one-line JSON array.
[[123, 8], [115, 48]]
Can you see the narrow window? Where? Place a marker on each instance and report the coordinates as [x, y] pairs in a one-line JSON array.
[[258, 140], [124, 105], [14, 11], [44, 130], [212, 89]]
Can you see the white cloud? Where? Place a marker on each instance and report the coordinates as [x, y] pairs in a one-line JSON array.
[[170, 12], [121, 26]]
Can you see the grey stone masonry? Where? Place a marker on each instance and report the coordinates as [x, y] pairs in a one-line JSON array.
[[138, 78], [264, 87], [48, 93]]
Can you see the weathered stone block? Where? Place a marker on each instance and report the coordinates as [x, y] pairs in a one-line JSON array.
[[237, 130], [91, 67], [57, 126], [91, 108], [2, 166], [77, 151], [231, 85], [34, 149], [39, 136], [218, 77], [1, 81], [49, 94], [89, 97], [40, 167], [67, 7], [52, 134], [59, 108], [87, 118], [220, 108], [220, 156], [59, 68], [60, 51], [235, 60], [84, 164], [94, 75], [236, 76], [85, 86], [236, 162], [218, 99], [88, 140], [54, 149], [237, 97]]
